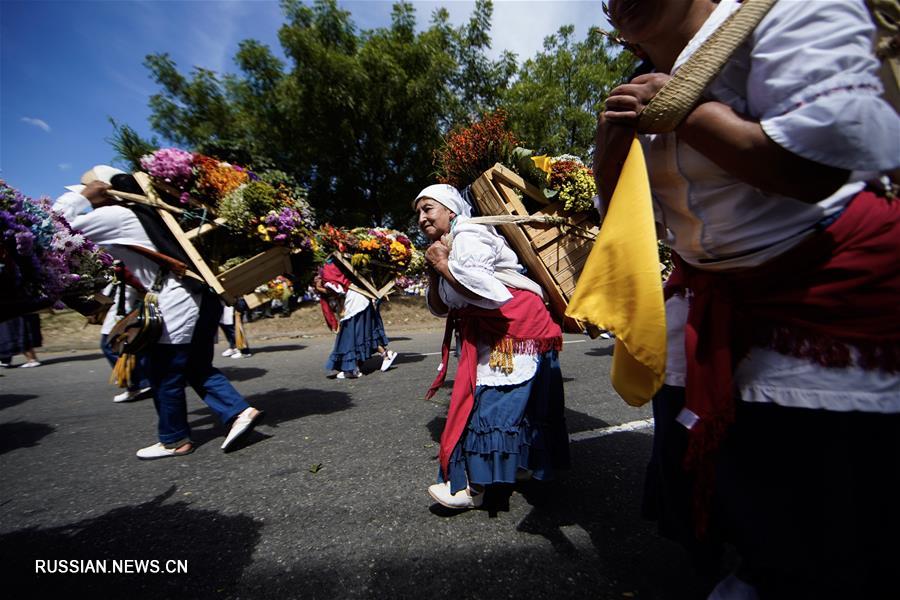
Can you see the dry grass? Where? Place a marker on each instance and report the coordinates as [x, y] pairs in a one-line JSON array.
[[66, 330]]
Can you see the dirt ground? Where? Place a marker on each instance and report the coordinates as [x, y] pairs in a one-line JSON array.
[[67, 330]]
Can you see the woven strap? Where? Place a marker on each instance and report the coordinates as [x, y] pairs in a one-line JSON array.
[[681, 93]]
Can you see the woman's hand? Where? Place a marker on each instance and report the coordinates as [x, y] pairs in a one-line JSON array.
[[611, 145], [626, 102], [437, 255], [97, 193]]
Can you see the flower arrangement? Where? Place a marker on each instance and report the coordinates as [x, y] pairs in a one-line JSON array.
[[194, 177], [469, 151], [379, 253], [42, 259], [270, 207], [573, 181]]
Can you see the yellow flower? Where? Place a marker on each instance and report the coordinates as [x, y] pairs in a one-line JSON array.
[[263, 233]]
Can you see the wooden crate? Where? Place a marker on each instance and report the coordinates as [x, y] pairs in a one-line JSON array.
[[235, 282], [359, 282], [553, 254]]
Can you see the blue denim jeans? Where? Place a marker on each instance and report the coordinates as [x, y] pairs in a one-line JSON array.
[[173, 366], [139, 379]]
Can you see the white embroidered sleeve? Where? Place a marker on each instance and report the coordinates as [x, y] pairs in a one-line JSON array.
[[814, 86], [472, 260]]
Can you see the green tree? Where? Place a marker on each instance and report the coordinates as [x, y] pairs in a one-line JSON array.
[[553, 105]]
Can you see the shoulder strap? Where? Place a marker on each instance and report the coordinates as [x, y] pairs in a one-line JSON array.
[[677, 98]]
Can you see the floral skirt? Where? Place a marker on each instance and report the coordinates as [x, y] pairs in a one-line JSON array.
[[514, 427], [358, 338]]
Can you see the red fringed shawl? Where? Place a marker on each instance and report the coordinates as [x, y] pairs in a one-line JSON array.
[[331, 273], [524, 322]]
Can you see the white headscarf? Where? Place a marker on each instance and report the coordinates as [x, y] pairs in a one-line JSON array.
[[448, 196]]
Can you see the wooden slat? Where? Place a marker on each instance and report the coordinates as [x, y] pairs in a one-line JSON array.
[[512, 199], [155, 203], [247, 276], [205, 228], [362, 284], [206, 273], [515, 180]]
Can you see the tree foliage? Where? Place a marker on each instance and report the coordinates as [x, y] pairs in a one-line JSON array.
[[554, 103], [355, 116]]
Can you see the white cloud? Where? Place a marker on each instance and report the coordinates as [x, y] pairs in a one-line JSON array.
[[65, 166], [39, 123]]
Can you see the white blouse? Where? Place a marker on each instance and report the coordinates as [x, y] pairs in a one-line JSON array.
[[482, 261], [807, 74], [114, 227]]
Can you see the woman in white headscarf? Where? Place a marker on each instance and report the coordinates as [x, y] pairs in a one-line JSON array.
[[506, 416]]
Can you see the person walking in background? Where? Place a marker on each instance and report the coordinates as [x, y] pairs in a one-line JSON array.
[[506, 418], [360, 331], [20, 335], [125, 298], [230, 324]]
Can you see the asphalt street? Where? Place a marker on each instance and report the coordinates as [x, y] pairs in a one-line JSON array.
[[325, 499]]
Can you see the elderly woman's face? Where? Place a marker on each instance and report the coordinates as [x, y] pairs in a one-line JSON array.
[[434, 218]]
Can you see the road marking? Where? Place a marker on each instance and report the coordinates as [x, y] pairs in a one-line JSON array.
[[604, 431]]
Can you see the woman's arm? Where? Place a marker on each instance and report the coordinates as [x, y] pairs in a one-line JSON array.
[[732, 141], [438, 258], [739, 146]]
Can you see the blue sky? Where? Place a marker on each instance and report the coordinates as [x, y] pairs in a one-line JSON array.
[[67, 66]]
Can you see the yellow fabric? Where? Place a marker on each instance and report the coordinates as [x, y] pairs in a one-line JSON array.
[[620, 288], [240, 340], [543, 162]]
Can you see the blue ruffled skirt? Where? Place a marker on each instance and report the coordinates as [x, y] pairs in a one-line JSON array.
[[358, 338], [514, 427]]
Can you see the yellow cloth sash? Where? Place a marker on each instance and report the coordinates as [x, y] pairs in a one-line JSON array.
[[620, 288]]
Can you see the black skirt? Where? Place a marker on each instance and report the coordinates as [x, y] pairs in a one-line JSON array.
[[19, 334]]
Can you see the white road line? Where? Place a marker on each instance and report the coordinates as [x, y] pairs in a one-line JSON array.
[[603, 431]]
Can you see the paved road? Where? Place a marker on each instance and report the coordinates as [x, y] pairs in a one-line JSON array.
[[326, 499]]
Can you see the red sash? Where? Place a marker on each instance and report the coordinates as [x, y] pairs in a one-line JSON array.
[[838, 289], [523, 320]]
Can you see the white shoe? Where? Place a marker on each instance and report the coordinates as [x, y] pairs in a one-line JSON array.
[[242, 424], [129, 395], [30, 364], [160, 451], [605, 336], [388, 360], [461, 500], [354, 374], [239, 354], [230, 351]]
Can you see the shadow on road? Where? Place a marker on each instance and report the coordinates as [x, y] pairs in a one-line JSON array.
[[594, 513], [276, 348], [217, 549], [22, 434], [71, 358], [604, 351], [10, 400], [282, 405], [243, 373]]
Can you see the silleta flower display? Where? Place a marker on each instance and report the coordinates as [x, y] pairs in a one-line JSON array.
[[42, 259]]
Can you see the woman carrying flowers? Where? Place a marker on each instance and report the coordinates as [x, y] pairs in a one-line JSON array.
[[361, 330], [506, 415], [783, 395]]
